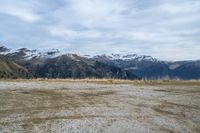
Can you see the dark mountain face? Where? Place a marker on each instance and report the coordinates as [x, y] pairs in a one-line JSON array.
[[9, 69], [79, 67], [144, 69], [68, 66], [53, 64], [188, 70], [3, 49], [153, 69]]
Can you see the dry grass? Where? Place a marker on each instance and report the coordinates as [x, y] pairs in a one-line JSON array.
[[111, 81]]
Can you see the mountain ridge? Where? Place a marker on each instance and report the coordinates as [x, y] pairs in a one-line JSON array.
[[51, 64], [143, 66]]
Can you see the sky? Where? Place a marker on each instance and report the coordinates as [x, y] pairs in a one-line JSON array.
[[164, 29]]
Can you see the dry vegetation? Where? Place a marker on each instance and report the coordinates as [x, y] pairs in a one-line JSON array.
[[91, 105], [110, 81]]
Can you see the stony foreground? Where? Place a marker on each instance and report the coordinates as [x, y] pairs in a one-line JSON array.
[[89, 107]]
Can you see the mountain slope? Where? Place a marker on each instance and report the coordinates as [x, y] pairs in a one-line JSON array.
[[147, 67], [9, 69], [188, 70], [66, 66], [54, 64], [143, 66], [74, 66]]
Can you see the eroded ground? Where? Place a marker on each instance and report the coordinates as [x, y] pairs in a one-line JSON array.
[[60, 107]]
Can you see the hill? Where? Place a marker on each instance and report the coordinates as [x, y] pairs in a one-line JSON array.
[[9, 69]]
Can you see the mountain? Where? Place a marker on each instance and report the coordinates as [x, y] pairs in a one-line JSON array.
[[186, 69], [9, 69], [26, 54], [53, 64], [3, 49], [74, 66], [56, 64], [148, 67]]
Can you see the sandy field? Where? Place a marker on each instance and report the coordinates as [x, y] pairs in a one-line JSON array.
[[99, 107]]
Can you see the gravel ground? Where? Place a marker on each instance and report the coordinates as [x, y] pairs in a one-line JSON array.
[[81, 107]]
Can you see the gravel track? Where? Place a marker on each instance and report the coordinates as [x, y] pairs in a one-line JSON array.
[[82, 107]]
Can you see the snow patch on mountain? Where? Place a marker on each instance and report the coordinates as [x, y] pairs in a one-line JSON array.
[[30, 54], [53, 53], [126, 57]]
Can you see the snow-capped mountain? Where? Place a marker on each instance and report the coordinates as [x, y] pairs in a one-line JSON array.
[[126, 57], [27, 54], [148, 67], [53, 63], [43, 54], [56, 64]]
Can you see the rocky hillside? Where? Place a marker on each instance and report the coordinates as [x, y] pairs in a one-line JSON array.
[[148, 67], [52, 65], [9, 69]]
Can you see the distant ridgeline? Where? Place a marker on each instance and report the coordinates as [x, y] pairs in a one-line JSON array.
[[25, 63]]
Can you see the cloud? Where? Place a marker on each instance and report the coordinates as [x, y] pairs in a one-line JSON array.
[[21, 14], [158, 28], [20, 11]]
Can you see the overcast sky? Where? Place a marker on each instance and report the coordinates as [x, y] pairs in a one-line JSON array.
[[165, 29]]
